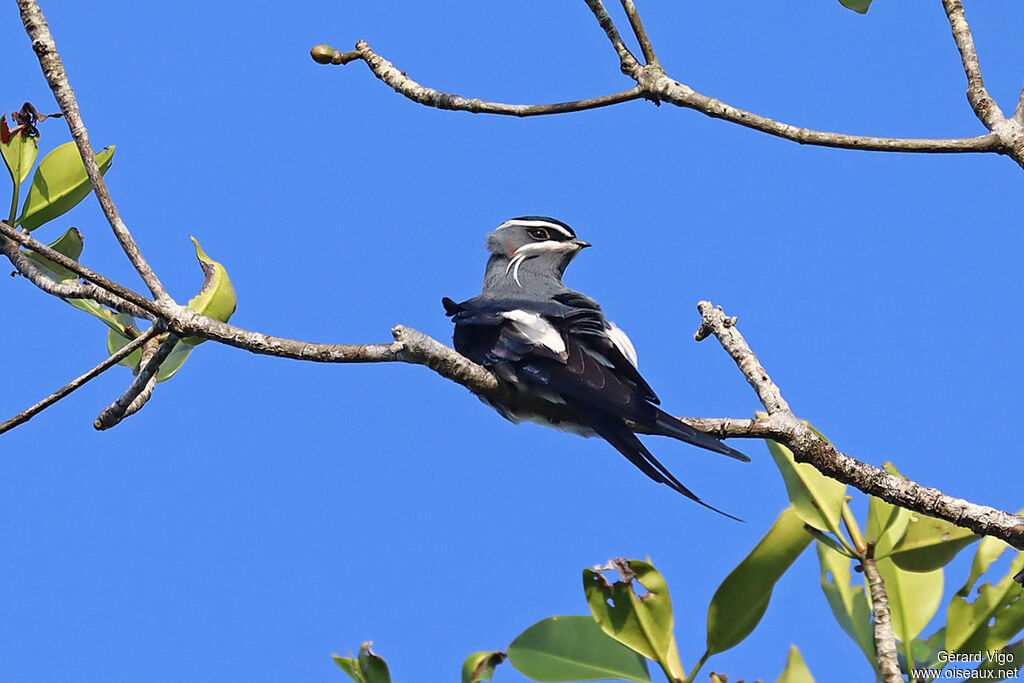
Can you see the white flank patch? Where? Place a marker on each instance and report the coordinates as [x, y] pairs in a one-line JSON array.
[[536, 330], [535, 224], [622, 343]]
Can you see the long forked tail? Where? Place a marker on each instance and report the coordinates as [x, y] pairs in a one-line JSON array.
[[670, 426], [625, 442]]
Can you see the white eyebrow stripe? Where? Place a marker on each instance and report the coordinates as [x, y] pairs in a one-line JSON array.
[[535, 224]]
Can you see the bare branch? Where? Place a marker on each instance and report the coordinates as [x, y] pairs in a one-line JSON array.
[[66, 290], [402, 84], [641, 33], [140, 391], [1018, 116], [53, 69], [124, 295], [127, 350], [982, 103], [716, 322], [627, 62], [809, 447], [654, 84], [660, 87], [885, 637]]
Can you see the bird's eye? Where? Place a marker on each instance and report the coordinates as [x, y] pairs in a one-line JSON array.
[[538, 234]]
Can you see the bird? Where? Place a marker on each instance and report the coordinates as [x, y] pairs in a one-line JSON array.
[[567, 365]]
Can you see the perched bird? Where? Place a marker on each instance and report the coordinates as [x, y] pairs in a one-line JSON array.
[[570, 368]]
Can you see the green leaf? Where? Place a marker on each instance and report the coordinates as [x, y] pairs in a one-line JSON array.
[[59, 184], [123, 329], [996, 615], [643, 624], [930, 543], [350, 666], [817, 499], [480, 666], [887, 523], [19, 154], [741, 600], [796, 670], [989, 550], [217, 298], [69, 244], [849, 603], [860, 6], [926, 651], [372, 666], [572, 649], [1009, 659], [914, 597]]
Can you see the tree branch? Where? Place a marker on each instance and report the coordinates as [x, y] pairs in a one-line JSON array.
[[140, 391], [809, 447], [655, 85], [124, 297], [66, 290], [127, 350], [402, 84], [627, 62], [982, 103], [885, 637], [53, 70], [641, 33]]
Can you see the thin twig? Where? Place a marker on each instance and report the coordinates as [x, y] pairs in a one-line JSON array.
[[653, 84], [140, 390], [627, 62], [402, 84], [809, 447], [53, 70], [127, 350], [660, 87], [714, 321], [885, 637], [66, 290], [641, 33], [152, 310], [982, 103]]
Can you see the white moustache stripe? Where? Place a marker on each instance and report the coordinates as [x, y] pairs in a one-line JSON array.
[[534, 249], [536, 224]]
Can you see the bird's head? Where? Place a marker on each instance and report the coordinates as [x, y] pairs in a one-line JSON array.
[[548, 244]]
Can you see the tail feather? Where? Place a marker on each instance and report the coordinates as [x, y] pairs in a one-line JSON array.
[[626, 442], [670, 426]]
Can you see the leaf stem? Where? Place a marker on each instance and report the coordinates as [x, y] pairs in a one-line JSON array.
[[14, 200], [855, 533], [698, 666]]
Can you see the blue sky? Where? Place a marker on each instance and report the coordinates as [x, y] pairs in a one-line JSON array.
[[260, 514]]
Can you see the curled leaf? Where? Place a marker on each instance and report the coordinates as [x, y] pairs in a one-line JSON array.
[[480, 666], [643, 624], [217, 297]]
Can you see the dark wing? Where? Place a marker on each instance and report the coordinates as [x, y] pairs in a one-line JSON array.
[[564, 346]]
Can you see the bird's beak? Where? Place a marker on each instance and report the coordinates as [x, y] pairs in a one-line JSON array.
[[581, 244]]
